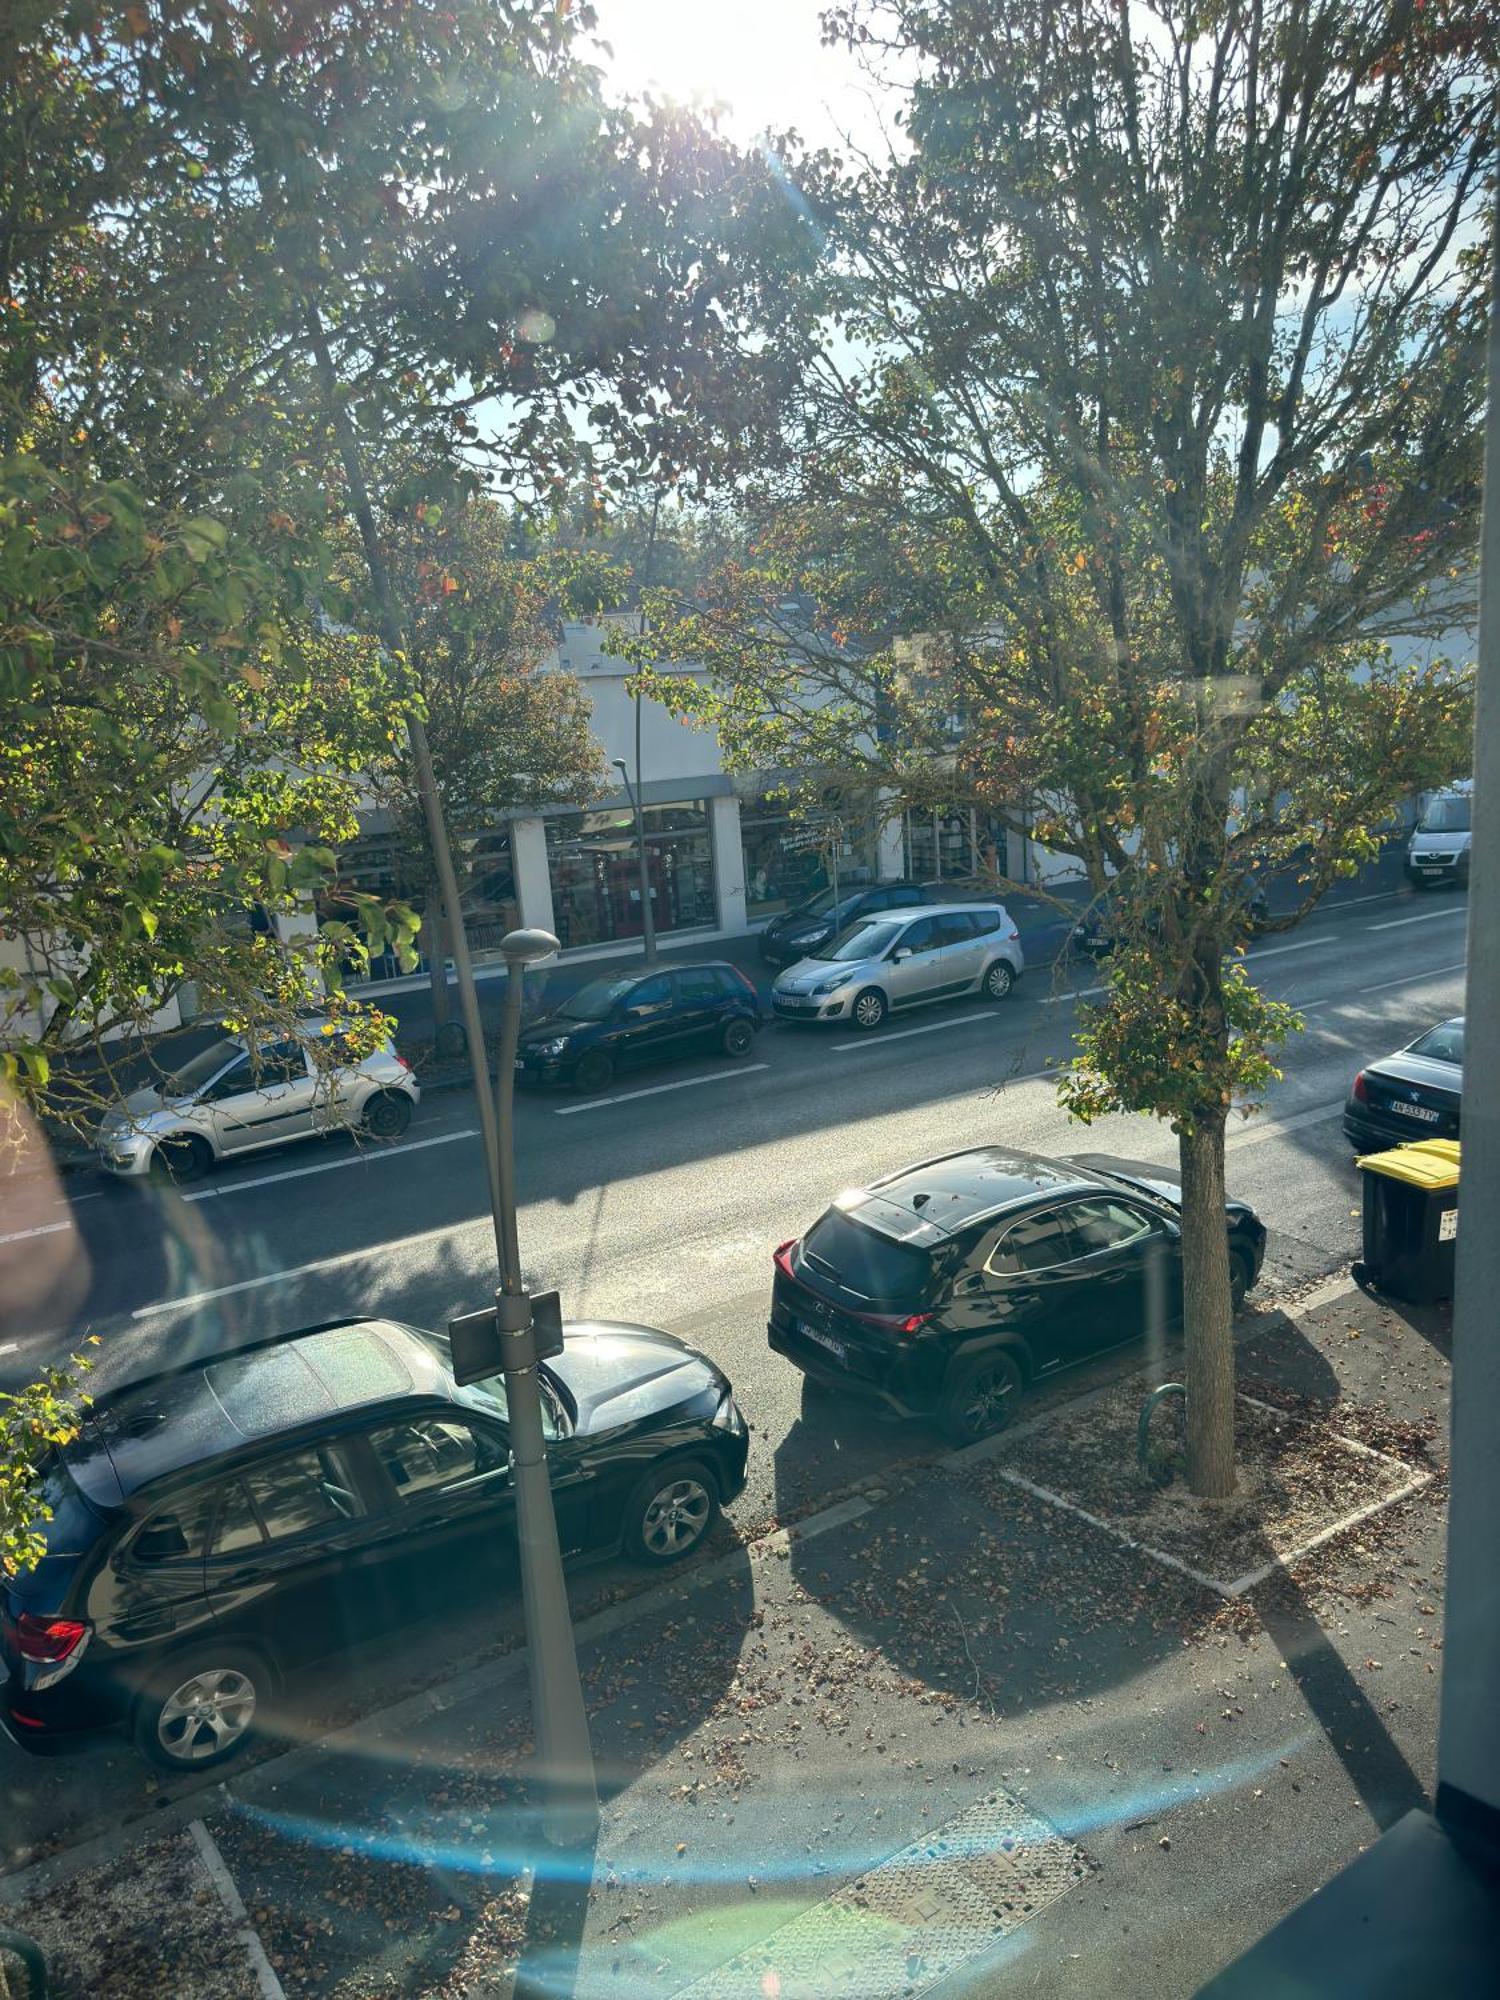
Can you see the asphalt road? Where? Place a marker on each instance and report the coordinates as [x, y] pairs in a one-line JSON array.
[[661, 1201]]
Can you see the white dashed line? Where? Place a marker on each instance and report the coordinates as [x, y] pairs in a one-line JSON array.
[[1275, 950], [877, 1041], [1427, 917], [360, 1159], [657, 1090], [41, 1229]]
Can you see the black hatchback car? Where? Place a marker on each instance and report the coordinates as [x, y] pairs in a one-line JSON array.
[[798, 933], [218, 1526], [1417, 1093], [948, 1288], [643, 1017]]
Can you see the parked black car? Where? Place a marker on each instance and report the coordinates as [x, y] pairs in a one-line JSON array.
[[948, 1288], [796, 933], [218, 1526], [1096, 933], [1414, 1094], [643, 1017]]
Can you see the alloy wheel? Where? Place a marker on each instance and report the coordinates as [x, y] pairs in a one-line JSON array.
[[869, 1010], [988, 1402], [206, 1715], [676, 1517]]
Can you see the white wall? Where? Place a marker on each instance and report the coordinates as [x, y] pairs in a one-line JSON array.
[[670, 750]]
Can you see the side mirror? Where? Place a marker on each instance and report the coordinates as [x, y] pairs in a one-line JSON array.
[[900, 954]]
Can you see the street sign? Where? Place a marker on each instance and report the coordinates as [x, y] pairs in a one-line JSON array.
[[480, 1349]]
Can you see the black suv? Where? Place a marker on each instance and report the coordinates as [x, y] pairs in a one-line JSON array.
[[947, 1288], [797, 932], [642, 1017], [219, 1525]]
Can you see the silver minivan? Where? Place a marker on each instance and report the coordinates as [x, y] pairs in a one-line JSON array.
[[232, 1099], [1439, 846], [937, 951]]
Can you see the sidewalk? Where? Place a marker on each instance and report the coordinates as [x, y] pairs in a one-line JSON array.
[[939, 1732]]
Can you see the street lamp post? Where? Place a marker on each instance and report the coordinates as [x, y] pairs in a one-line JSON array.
[[633, 793]]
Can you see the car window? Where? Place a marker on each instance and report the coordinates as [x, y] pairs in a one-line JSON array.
[[1038, 1242], [198, 1069], [703, 986], [1451, 815], [904, 899], [957, 928], [1106, 1225], [860, 941], [427, 1454], [234, 1080], [310, 1489], [176, 1533], [863, 1261], [1445, 1043], [652, 993], [923, 935], [985, 921], [280, 1062], [238, 1525]]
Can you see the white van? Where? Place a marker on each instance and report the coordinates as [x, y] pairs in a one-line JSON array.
[[1439, 849]]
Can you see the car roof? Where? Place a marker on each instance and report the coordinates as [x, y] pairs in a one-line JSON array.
[[208, 1408], [929, 1202]]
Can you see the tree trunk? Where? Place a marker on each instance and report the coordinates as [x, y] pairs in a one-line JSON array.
[[1207, 1318], [435, 927]]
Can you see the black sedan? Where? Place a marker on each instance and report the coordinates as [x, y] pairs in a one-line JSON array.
[[306, 1498], [798, 933], [1413, 1094], [948, 1288], [1096, 933], [613, 1024]]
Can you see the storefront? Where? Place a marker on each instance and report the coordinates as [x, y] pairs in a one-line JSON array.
[[956, 846], [595, 872], [788, 859]]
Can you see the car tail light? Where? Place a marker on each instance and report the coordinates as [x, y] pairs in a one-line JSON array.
[[401, 1060], [783, 1256], [912, 1321], [55, 1644], [1361, 1089], [27, 1721], [1014, 933]]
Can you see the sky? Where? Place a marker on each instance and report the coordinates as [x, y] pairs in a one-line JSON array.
[[762, 60]]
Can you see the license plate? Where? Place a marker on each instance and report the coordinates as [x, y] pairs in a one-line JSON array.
[[835, 1347], [520, 1062], [1420, 1111]]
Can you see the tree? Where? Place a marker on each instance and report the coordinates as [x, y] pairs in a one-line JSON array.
[[1151, 390], [506, 730]]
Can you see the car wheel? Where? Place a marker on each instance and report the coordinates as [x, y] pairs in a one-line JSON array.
[[670, 1512], [869, 1008], [998, 981], [595, 1071], [203, 1708], [1239, 1281], [739, 1037], [387, 1115], [979, 1397], [182, 1159]]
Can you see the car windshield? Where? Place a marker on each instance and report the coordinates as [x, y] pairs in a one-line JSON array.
[[862, 940], [1445, 1043], [596, 1001], [1451, 815], [864, 1261], [197, 1071]]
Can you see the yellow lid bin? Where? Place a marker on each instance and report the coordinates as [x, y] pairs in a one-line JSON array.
[[1430, 1163]]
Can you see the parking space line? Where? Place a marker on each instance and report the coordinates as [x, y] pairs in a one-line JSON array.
[[657, 1090], [877, 1041], [224, 1886], [1427, 917], [331, 1166]]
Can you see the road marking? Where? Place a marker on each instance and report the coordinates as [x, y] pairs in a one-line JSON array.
[[1275, 950], [9, 1346], [657, 1090], [265, 1977], [1273, 1128], [1427, 917], [41, 1229], [1413, 978], [331, 1166], [190, 1300], [877, 1041], [1082, 993]]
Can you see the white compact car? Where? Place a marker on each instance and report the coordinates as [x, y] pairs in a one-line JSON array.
[[231, 1099], [879, 964]]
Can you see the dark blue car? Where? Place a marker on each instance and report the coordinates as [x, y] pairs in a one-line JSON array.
[[643, 1017]]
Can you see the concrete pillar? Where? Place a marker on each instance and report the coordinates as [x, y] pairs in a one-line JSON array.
[[1469, 1729], [890, 846], [729, 862], [528, 860]]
